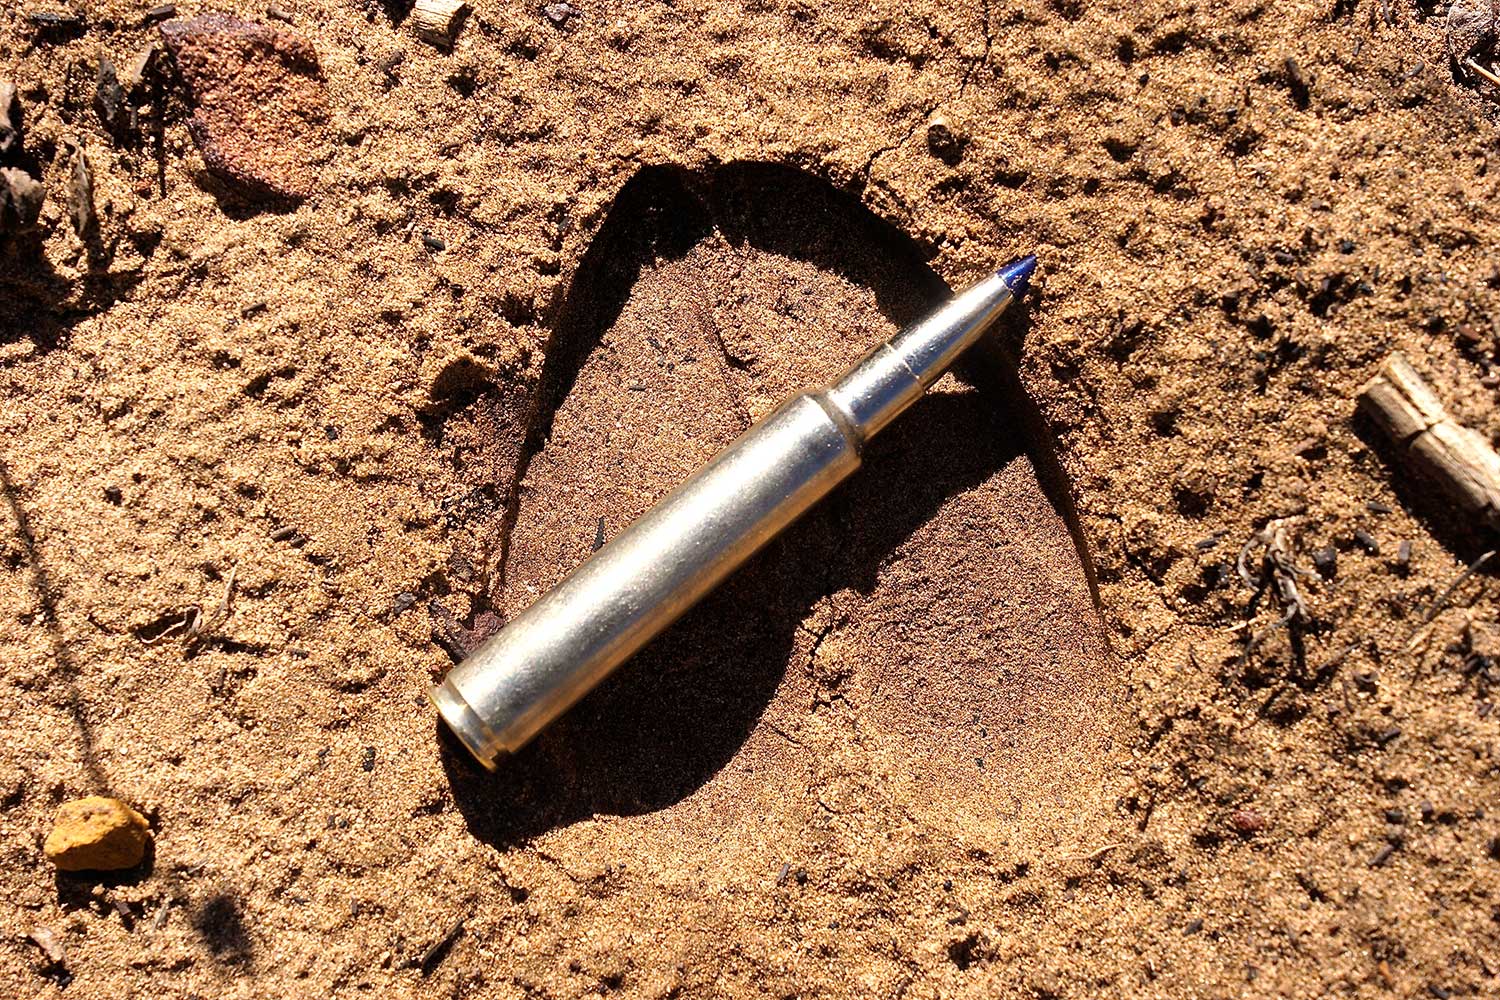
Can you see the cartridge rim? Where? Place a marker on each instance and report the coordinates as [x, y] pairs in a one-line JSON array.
[[465, 723]]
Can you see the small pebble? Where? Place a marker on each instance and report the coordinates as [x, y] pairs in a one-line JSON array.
[[1247, 821], [259, 102], [1326, 562], [433, 243], [943, 141], [1395, 817], [50, 942], [1346, 246], [1367, 542], [97, 834], [560, 13]]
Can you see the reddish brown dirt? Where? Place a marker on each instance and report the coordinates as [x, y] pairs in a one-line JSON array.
[[543, 275]]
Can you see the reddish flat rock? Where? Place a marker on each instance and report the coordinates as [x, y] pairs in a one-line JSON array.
[[258, 102]]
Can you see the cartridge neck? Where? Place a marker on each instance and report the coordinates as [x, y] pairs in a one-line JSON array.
[[881, 385]]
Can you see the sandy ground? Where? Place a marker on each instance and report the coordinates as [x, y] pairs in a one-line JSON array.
[[984, 725]]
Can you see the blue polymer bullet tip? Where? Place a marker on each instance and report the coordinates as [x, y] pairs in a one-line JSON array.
[[1017, 276]]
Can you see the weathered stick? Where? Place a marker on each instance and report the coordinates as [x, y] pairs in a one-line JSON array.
[[1456, 458], [438, 21]]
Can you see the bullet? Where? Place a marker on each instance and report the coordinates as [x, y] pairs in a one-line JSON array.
[[535, 668]]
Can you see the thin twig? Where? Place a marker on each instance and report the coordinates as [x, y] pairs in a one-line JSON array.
[[1487, 74], [1442, 601]]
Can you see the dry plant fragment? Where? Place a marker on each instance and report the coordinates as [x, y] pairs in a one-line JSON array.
[[1273, 547], [438, 21], [81, 210], [1274, 544], [1457, 459]]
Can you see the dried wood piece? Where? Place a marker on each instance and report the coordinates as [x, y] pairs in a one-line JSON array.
[[438, 21], [139, 68], [1457, 459], [81, 197]]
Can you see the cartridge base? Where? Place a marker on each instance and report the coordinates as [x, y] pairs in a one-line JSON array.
[[466, 725]]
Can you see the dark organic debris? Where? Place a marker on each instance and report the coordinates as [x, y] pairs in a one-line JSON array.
[[1298, 83], [56, 20], [258, 102], [1442, 599], [21, 194], [117, 113], [139, 69]]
